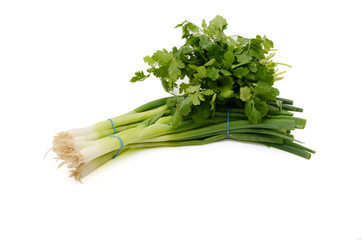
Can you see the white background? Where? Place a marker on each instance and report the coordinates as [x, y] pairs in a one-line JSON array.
[[67, 64]]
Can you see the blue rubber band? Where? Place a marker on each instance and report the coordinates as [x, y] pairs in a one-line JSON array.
[[228, 124], [120, 140], [114, 128]]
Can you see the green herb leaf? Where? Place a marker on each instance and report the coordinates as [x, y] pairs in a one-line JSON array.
[[208, 92], [243, 59], [201, 72], [139, 76], [177, 118], [266, 92], [228, 93], [245, 93], [210, 63], [212, 72], [149, 60], [255, 110], [185, 106], [197, 98], [228, 59], [202, 112], [162, 57], [242, 40], [216, 26], [241, 72], [253, 67], [225, 72], [174, 69]]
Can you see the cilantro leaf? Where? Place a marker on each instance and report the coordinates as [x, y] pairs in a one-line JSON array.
[[242, 40], [264, 91], [185, 106], [193, 88], [245, 93], [161, 72], [206, 43], [197, 97], [208, 92], [253, 67], [149, 60], [241, 72], [227, 93], [225, 72], [212, 72], [256, 48], [267, 44], [201, 72], [228, 59], [216, 25], [243, 59], [174, 69], [162, 57], [139, 76], [202, 112], [181, 24], [255, 110], [203, 24], [210, 63], [216, 51], [177, 118]]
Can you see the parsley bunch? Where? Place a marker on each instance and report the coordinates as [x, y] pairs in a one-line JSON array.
[[217, 70]]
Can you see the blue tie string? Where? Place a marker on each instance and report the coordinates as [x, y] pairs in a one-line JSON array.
[[120, 140], [114, 128]]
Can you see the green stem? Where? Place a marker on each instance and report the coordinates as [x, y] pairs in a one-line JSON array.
[[291, 149], [89, 167], [151, 105], [129, 118], [294, 144], [276, 111], [300, 123], [264, 132], [250, 137], [284, 64], [218, 128], [285, 100], [287, 107]]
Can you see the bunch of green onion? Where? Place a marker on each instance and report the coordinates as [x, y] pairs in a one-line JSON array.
[[85, 149], [228, 94]]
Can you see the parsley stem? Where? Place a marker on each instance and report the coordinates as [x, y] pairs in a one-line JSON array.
[[284, 64]]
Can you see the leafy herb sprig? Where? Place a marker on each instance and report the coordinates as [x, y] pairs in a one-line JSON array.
[[220, 70]]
